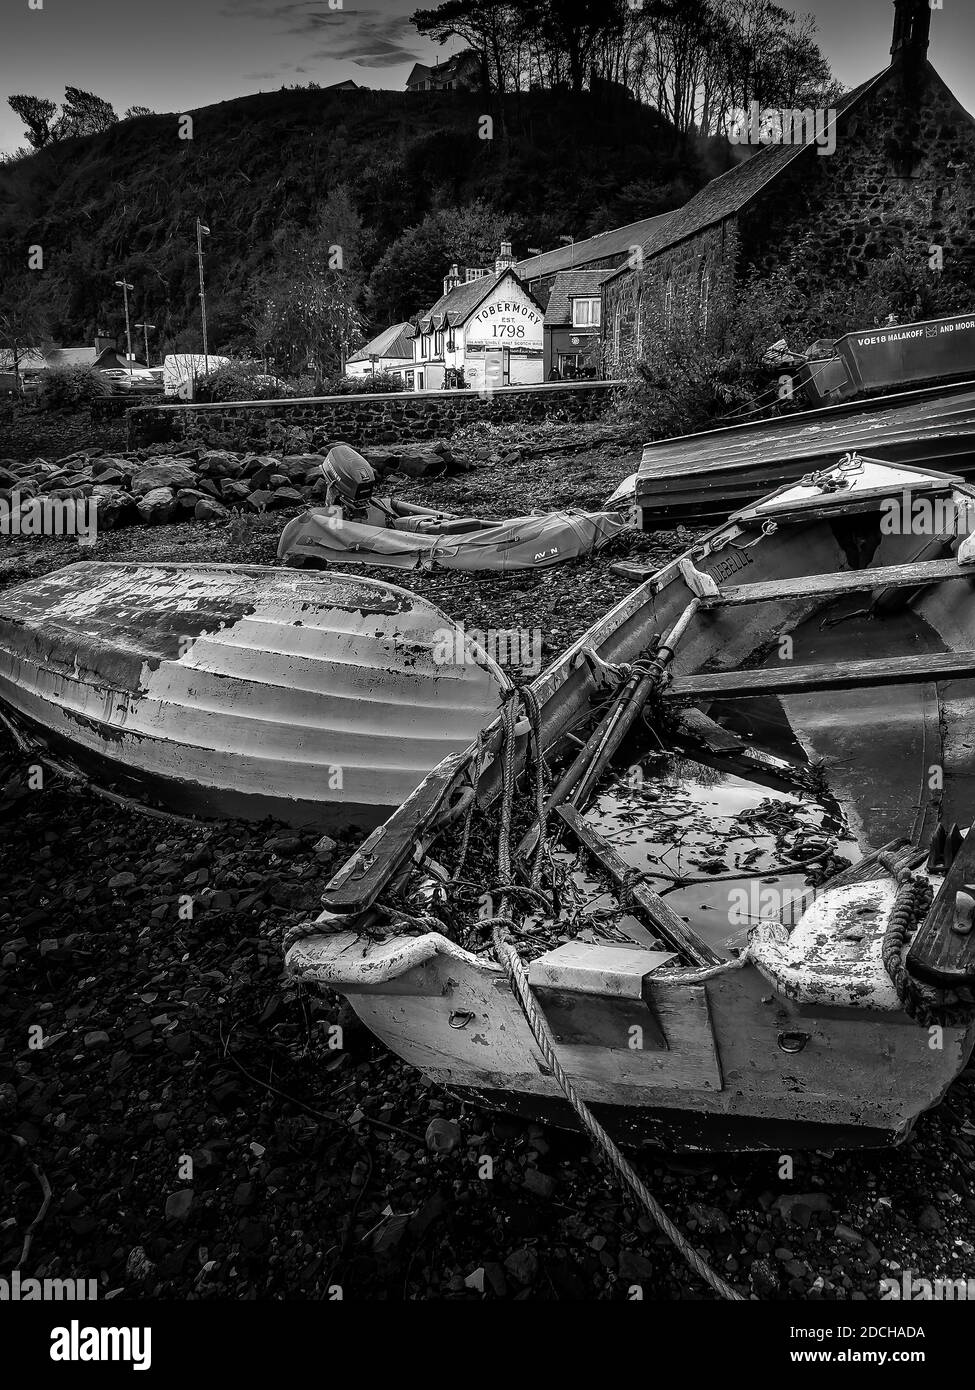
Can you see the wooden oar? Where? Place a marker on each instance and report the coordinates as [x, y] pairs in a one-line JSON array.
[[600, 748]]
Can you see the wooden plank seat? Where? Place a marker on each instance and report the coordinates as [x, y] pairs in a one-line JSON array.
[[786, 678], [841, 582]]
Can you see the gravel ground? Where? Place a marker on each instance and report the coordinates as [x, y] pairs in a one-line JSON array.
[[200, 1136]]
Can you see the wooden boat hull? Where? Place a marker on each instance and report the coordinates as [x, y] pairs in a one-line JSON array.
[[726, 1080], [808, 1043], [704, 477], [243, 692]]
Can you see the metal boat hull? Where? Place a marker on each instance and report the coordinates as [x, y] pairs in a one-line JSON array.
[[243, 691]]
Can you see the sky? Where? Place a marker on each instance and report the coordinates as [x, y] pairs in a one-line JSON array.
[[176, 55]]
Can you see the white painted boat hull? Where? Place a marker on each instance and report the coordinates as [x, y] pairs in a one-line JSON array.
[[725, 1081], [244, 691]]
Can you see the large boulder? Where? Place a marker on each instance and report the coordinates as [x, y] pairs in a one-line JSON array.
[[168, 473], [233, 492], [264, 501], [157, 505], [261, 476], [220, 463], [209, 510], [112, 506], [112, 470], [187, 498], [254, 463]]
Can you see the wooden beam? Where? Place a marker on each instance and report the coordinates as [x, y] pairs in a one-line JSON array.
[[785, 679], [842, 582], [695, 728], [661, 916]]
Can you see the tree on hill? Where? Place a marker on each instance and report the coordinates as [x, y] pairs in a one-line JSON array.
[[38, 115], [82, 113], [408, 277], [693, 60], [305, 309], [23, 319]]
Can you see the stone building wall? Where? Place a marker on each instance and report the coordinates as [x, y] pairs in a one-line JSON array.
[[682, 266], [307, 425], [902, 177]]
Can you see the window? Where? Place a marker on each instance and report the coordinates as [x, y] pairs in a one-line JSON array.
[[669, 303], [617, 326], [427, 344], [585, 313], [638, 330], [438, 343], [705, 295]]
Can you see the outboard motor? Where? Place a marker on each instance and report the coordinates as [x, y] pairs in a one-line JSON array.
[[351, 482]]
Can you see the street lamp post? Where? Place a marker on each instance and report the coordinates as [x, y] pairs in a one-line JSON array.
[[124, 286], [145, 330], [201, 232]]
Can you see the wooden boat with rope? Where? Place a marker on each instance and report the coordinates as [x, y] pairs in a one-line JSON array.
[[838, 1026]]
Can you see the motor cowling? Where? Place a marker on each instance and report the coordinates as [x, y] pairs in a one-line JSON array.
[[351, 481]]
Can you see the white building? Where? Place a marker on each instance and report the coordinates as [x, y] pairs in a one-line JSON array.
[[486, 325], [390, 351]]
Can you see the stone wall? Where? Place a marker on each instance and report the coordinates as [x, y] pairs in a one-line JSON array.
[[301, 425], [682, 266], [902, 177]]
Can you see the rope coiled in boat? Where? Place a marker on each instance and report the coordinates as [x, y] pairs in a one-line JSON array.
[[928, 1007]]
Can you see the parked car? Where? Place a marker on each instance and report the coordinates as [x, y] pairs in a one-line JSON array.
[[137, 381]]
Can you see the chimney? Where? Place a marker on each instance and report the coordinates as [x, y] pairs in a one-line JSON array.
[[912, 28], [452, 278], [102, 341], [505, 260]]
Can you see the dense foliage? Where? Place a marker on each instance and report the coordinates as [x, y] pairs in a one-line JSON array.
[[696, 370], [694, 60], [67, 387], [264, 171]]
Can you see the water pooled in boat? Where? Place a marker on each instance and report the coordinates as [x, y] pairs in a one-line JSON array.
[[724, 851], [688, 827]]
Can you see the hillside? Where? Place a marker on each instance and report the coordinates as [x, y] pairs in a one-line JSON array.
[[260, 167]]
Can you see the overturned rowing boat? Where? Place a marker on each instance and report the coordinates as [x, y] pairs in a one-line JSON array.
[[233, 691], [837, 1026]]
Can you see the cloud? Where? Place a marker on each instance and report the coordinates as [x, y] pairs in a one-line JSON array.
[[365, 37]]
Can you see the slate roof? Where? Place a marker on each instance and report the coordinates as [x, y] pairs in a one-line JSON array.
[[570, 283], [72, 357], [457, 306], [395, 341], [733, 190], [594, 248]]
